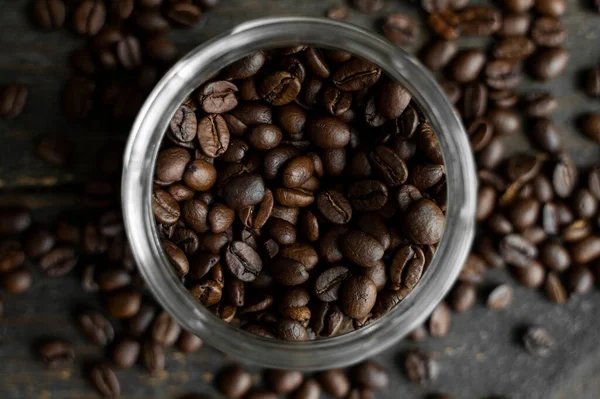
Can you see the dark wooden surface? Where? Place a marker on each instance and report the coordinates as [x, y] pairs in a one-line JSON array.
[[481, 356]]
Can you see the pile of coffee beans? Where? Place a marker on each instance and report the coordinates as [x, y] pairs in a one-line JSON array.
[[358, 382], [300, 188]]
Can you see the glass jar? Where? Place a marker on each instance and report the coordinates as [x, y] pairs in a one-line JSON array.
[[137, 186]]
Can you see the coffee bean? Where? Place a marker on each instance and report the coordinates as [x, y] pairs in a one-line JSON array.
[[400, 29], [310, 389], [500, 297], [49, 14], [188, 342], [370, 375], [420, 367], [165, 330], [445, 23], [554, 288], [467, 65], [548, 63], [242, 261], [290, 330], [357, 296], [564, 177], [334, 207], [96, 327], [89, 17], [58, 261], [57, 354], [327, 285], [555, 256], [491, 155], [592, 82], [213, 135], [424, 222], [184, 14], [243, 191], [548, 32], [479, 21], [338, 13], [590, 126], [538, 341], [406, 269], [124, 303], [517, 251], [439, 321], [540, 104], [284, 381], [12, 101], [77, 97], [475, 99], [473, 270], [334, 382], [514, 24], [552, 8], [328, 132], [171, 165], [462, 297], [16, 281], [125, 353], [532, 276], [153, 357], [361, 248], [151, 22], [139, 322], [356, 75], [586, 250]]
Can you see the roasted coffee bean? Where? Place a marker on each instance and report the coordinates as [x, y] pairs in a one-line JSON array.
[[492, 155], [234, 382], [139, 323], [538, 341], [445, 23], [540, 104], [554, 8], [548, 63], [532, 276], [406, 268], [290, 330], [125, 353], [503, 98], [361, 248], [590, 126], [96, 327], [546, 135], [334, 207], [279, 88], [555, 256], [400, 29], [367, 195], [389, 166], [282, 231], [283, 381], [89, 17], [467, 65], [554, 288], [564, 177], [367, 6], [357, 296], [124, 303], [517, 251], [462, 297], [11, 255], [420, 367], [355, 75], [327, 285], [49, 14], [244, 190], [479, 21], [486, 200], [586, 250], [548, 32], [424, 222], [242, 261], [475, 100], [310, 389], [58, 261], [334, 382], [57, 354], [592, 82], [370, 375], [328, 132], [338, 13], [580, 280], [439, 321], [584, 203], [514, 24], [213, 135], [502, 74], [188, 342], [500, 297], [153, 357], [289, 272], [439, 53], [473, 270], [165, 330], [105, 381]]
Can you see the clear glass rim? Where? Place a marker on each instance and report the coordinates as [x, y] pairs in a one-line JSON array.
[[137, 182]]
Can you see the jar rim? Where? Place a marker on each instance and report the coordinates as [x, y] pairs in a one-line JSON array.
[[137, 184]]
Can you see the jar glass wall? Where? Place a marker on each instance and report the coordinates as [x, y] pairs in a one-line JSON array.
[[137, 186]]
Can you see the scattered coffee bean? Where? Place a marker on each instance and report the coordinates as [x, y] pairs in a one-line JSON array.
[[234, 382], [12, 101], [105, 381], [420, 367], [538, 341], [334, 382], [57, 354]]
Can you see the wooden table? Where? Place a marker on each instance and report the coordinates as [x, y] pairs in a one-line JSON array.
[[482, 355]]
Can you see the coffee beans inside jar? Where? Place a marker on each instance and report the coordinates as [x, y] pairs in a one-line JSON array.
[[300, 192]]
